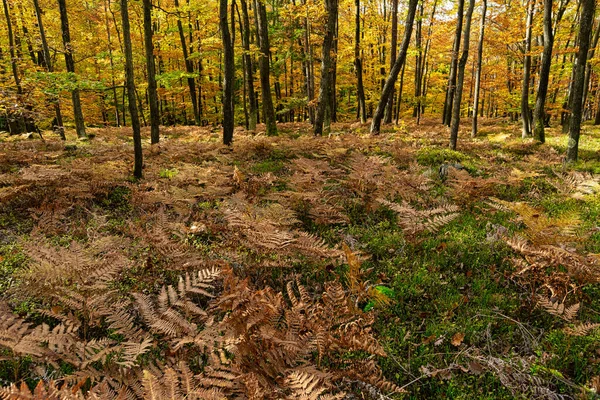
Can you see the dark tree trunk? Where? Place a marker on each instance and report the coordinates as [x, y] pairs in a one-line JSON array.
[[418, 60], [66, 37], [151, 71], [424, 67], [360, 89], [112, 64], [400, 91], [19, 124], [393, 76], [263, 64], [389, 110], [248, 69], [133, 111], [447, 117], [324, 105], [189, 68], [527, 72], [229, 61], [588, 68], [58, 127], [585, 28], [542, 91], [454, 125], [478, 71]]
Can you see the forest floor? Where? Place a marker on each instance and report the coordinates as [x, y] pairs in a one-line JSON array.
[[481, 267]]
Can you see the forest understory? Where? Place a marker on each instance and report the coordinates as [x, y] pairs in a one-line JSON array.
[[300, 267]]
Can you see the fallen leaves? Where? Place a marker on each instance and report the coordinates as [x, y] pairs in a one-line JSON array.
[[457, 339]]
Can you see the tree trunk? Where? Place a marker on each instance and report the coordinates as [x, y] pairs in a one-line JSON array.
[[389, 111], [263, 64], [133, 111], [542, 91], [229, 61], [151, 71], [58, 127], [324, 105], [527, 72], [460, 79], [189, 68], [447, 117], [248, 69], [66, 37], [13, 63], [393, 76], [360, 88], [478, 72], [418, 60], [585, 28], [588, 68], [112, 64]]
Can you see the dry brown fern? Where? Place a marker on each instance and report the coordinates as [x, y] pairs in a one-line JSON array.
[[559, 309], [415, 221]]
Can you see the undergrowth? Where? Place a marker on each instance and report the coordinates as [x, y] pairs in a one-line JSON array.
[[299, 267]]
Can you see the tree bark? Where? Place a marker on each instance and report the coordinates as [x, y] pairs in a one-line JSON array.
[[360, 88], [263, 64], [151, 71], [189, 68], [588, 68], [389, 111], [418, 60], [14, 67], [324, 105], [447, 117], [526, 120], [66, 37], [133, 111], [542, 91], [393, 76], [229, 61], [112, 64], [454, 125], [585, 28], [59, 128], [248, 69], [478, 72]]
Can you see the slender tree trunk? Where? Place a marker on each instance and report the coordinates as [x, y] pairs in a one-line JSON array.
[[418, 59], [389, 110], [248, 69], [66, 36], [400, 91], [112, 64], [229, 61], [393, 76], [263, 64], [542, 90], [447, 117], [133, 111], [59, 128], [325, 90], [151, 71], [478, 71], [15, 69], [588, 68], [360, 89], [454, 125], [527, 72], [585, 28], [189, 67], [424, 67]]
